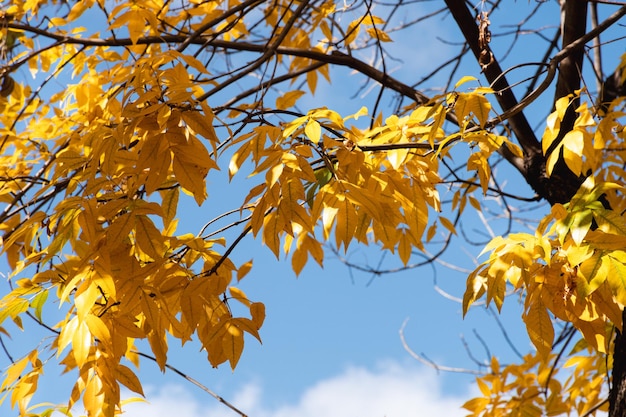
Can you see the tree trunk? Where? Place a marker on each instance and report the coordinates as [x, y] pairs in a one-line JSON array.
[[617, 394]]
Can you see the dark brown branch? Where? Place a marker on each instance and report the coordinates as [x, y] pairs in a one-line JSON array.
[[518, 122], [335, 57], [553, 64], [573, 27]]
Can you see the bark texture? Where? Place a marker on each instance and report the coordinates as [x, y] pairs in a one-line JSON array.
[[617, 394]]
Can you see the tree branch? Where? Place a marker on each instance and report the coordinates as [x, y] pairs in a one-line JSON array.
[[552, 67], [335, 57], [494, 74], [428, 362], [196, 383]]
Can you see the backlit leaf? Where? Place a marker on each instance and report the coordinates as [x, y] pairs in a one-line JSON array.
[[539, 327], [128, 378], [313, 130]]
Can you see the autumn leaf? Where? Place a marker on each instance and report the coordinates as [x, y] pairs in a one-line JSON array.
[[472, 104], [539, 327], [289, 99]]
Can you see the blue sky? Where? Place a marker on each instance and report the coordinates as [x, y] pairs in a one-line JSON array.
[[331, 344]]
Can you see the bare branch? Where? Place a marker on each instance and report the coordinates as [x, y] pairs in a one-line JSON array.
[[196, 383], [426, 361]]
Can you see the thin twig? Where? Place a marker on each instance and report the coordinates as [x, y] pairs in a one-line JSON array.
[[426, 361], [196, 383]]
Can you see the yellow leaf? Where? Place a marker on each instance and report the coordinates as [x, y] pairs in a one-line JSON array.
[[191, 177], [325, 28], [292, 126], [370, 19], [273, 227], [158, 344], [594, 333], [432, 229], [314, 247], [496, 285], [119, 229], [288, 99], [149, 239], [247, 325], [290, 205], [239, 295], [573, 145], [468, 104], [201, 124], [463, 80], [85, 298], [313, 131], [363, 199], [553, 123], [128, 378], [311, 81], [94, 395], [405, 248], [13, 372], [97, 328], [475, 203], [476, 405], [447, 224], [601, 240], [397, 157], [273, 175], [345, 228], [169, 203], [70, 159], [77, 10], [484, 388], [478, 161], [257, 311], [299, 259], [81, 342], [362, 112], [136, 25], [328, 219], [38, 302], [378, 34], [616, 276], [580, 225], [352, 32], [243, 270], [233, 344], [610, 222], [539, 326], [495, 366]]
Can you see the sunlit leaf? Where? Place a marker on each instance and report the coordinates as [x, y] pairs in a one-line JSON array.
[[539, 327]]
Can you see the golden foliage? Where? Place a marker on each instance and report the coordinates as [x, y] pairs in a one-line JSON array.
[[92, 175]]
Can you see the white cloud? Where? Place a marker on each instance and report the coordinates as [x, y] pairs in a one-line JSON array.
[[391, 390]]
